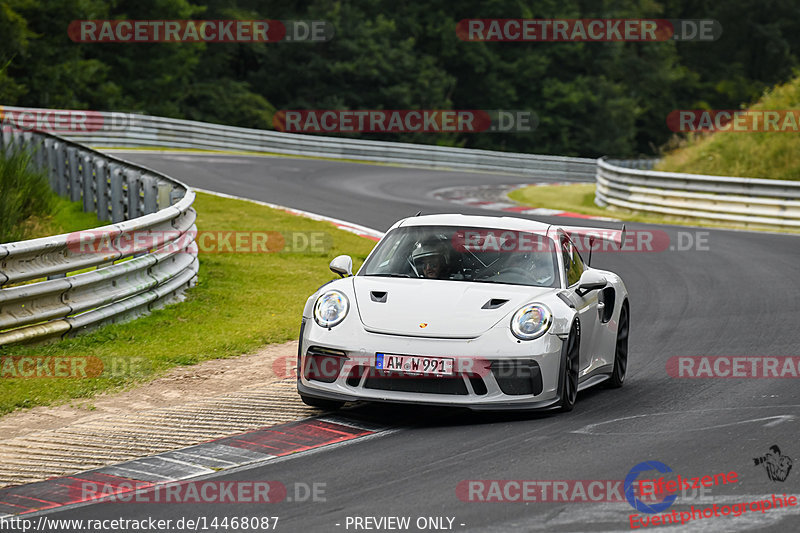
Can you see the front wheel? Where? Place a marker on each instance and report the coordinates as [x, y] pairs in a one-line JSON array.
[[620, 351], [569, 374], [320, 403]]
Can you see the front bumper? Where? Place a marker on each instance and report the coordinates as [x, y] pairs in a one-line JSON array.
[[492, 372]]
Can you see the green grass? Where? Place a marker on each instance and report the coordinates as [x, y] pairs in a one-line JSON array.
[[241, 302], [754, 155], [579, 198], [64, 217]]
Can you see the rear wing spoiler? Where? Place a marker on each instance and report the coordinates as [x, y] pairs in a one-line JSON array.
[[588, 239]]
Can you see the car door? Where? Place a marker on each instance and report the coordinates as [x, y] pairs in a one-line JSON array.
[[585, 305]]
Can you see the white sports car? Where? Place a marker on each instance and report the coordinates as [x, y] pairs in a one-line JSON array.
[[480, 312]]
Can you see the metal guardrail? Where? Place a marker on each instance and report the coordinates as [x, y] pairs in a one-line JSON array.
[[145, 259], [749, 201], [105, 129]]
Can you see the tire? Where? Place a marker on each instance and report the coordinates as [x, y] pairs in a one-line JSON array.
[[620, 349], [571, 365], [327, 405]]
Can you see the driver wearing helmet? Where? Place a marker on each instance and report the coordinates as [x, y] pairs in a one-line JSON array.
[[430, 260]]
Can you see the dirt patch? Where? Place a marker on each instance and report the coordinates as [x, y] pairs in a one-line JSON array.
[[178, 386]]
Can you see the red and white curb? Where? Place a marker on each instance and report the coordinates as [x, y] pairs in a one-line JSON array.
[[495, 198], [259, 446]]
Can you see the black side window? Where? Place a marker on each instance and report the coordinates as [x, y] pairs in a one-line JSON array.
[[573, 264]]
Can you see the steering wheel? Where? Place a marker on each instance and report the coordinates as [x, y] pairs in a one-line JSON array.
[[528, 275]]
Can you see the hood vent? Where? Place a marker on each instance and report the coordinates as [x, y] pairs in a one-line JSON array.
[[494, 303], [378, 296]]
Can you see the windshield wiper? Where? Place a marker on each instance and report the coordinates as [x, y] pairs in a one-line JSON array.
[[388, 275]]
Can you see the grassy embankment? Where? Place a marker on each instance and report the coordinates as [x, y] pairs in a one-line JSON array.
[[757, 155]]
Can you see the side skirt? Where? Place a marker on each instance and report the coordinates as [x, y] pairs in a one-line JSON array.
[[595, 377]]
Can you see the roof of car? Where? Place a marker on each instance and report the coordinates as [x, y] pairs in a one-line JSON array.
[[505, 223]]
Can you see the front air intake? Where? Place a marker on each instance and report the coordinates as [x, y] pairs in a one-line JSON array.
[[517, 378], [323, 364]]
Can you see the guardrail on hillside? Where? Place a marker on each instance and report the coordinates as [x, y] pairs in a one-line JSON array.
[[761, 202], [128, 276], [133, 130]]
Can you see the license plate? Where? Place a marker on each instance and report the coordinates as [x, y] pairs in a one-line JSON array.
[[413, 364]]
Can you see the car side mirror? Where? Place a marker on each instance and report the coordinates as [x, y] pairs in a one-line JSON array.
[[342, 265], [591, 280]]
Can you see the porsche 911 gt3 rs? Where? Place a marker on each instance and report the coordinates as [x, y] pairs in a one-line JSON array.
[[481, 312]]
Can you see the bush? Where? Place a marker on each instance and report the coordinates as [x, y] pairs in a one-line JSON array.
[[24, 194]]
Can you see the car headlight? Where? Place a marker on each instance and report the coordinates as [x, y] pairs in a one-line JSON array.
[[531, 322], [331, 308]]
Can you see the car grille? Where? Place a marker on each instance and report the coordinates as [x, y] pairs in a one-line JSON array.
[[422, 384]]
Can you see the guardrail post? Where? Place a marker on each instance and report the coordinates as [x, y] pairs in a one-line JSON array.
[[74, 179], [117, 196], [50, 161], [89, 201], [150, 194], [101, 188], [8, 141], [164, 199], [134, 184], [39, 155], [19, 141], [29, 145], [61, 174]]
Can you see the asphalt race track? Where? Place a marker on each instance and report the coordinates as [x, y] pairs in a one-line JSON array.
[[736, 297]]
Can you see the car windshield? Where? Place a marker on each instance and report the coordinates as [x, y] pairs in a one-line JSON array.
[[481, 255]]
